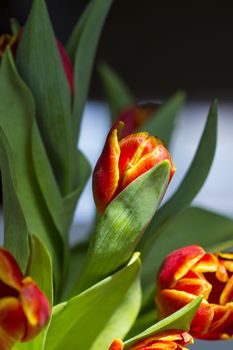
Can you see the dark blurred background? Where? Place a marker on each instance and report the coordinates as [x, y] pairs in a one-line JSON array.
[[157, 46]]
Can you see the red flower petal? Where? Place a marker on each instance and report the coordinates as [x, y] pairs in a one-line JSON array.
[[35, 306], [117, 344], [178, 263], [12, 322], [10, 273], [106, 173]]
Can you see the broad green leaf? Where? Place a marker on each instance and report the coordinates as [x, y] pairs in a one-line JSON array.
[[47, 182], [162, 122], [122, 225], [117, 93], [40, 66], [192, 182], [192, 226], [17, 113], [42, 273], [74, 38], [179, 320], [84, 57], [93, 318], [82, 172], [14, 221]]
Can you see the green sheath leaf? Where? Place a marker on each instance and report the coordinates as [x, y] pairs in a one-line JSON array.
[[122, 225]]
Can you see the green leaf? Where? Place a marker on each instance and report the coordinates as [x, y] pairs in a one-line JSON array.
[[192, 226], [17, 113], [117, 93], [42, 274], [82, 172], [14, 221], [47, 182], [84, 58], [122, 225], [192, 182], [92, 319], [40, 66], [163, 121], [74, 38], [179, 320]]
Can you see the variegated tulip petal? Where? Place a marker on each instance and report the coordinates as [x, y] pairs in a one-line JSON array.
[[227, 293], [35, 306], [223, 317], [106, 173], [178, 263], [12, 322], [147, 162], [170, 300], [117, 344], [133, 147], [194, 286], [208, 263], [10, 273], [169, 339]]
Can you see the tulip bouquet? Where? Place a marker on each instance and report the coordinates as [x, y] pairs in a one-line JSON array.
[[102, 293]]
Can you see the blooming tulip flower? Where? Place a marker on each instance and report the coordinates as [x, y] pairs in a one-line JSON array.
[[169, 340], [135, 116], [190, 272], [121, 162], [24, 309], [12, 41]]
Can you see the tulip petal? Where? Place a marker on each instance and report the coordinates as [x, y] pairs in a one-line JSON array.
[[12, 322], [208, 263], [194, 286], [170, 300], [106, 173], [10, 273], [178, 263], [227, 293], [117, 344], [169, 339], [147, 162], [35, 306], [133, 147]]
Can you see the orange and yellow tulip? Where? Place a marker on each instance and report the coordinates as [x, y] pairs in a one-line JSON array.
[[122, 161], [169, 340], [24, 309], [190, 272]]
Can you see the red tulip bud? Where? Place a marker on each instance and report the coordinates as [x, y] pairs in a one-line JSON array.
[[123, 161]]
